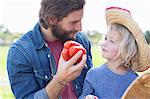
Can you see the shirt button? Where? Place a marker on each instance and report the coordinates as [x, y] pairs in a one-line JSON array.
[[48, 56], [76, 87], [46, 77], [46, 45]]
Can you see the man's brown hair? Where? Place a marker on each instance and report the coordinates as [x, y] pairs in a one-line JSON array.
[[58, 9]]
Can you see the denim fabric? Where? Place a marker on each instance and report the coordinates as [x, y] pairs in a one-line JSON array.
[[30, 65]]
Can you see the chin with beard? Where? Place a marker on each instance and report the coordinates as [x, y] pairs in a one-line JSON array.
[[62, 35]]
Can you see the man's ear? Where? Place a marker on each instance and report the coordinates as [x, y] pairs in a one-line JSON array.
[[52, 20]]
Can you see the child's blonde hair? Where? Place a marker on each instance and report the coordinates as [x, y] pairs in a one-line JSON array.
[[128, 49]]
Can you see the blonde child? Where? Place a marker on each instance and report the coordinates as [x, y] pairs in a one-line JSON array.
[[126, 52]]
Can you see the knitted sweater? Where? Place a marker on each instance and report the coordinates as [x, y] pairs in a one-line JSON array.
[[105, 84]]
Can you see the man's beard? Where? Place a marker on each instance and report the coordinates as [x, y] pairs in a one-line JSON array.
[[61, 34]]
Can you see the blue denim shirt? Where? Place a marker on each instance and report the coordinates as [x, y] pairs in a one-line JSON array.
[[30, 65]]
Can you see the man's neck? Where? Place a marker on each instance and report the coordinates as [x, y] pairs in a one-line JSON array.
[[47, 33]]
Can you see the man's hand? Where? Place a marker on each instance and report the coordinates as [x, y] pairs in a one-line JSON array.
[[91, 97], [69, 70]]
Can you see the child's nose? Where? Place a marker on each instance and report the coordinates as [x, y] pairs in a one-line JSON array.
[[103, 43]]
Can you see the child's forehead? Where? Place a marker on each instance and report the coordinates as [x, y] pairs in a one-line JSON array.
[[114, 28], [113, 34]]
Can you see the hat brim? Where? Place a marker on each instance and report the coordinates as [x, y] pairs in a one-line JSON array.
[[123, 17]]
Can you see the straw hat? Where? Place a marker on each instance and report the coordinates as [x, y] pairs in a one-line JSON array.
[[139, 88], [123, 17]]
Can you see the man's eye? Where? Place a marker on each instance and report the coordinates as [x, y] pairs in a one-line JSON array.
[[74, 22]]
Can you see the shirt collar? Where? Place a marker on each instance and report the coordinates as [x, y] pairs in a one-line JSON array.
[[38, 37]]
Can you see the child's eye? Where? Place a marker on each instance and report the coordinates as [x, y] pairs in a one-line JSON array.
[[111, 41], [105, 38]]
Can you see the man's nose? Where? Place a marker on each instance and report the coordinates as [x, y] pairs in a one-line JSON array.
[[78, 26]]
